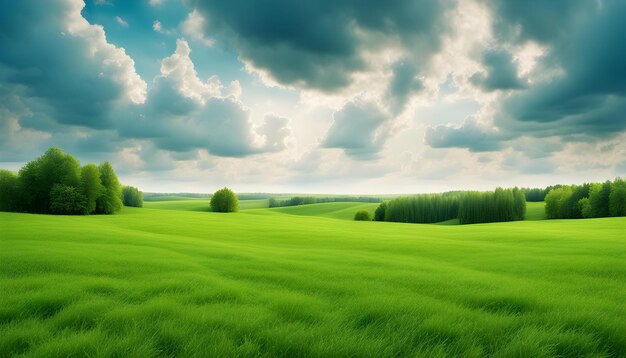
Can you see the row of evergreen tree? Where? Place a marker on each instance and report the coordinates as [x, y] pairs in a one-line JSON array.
[[469, 207], [306, 200], [55, 183], [590, 200], [423, 208], [496, 206]]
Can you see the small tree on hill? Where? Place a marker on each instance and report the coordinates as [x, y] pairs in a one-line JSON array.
[[362, 215], [224, 201]]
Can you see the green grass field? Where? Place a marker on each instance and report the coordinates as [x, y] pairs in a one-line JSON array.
[[298, 282], [200, 204]]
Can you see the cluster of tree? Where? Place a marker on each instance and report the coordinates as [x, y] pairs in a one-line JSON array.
[[469, 207], [590, 200], [305, 200], [224, 201], [362, 215], [131, 196], [538, 194], [424, 208], [499, 205], [55, 183]]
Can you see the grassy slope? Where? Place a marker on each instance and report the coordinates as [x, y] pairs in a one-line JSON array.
[[535, 211], [200, 204], [344, 211], [167, 282]]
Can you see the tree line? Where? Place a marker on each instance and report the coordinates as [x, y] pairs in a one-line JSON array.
[[423, 208], [589, 200], [469, 207], [55, 183], [538, 194], [306, 200]]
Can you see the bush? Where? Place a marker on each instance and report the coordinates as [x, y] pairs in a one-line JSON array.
[[362, 215], [131, 196], [224, 201]]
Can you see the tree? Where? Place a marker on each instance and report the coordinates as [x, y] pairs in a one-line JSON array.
[[362, 215], [91, 186], [599, 199], [519, 203], [224, 201], [39, 176], [585, 208], [67, 200], [555, 200], [617, 198], [110, 201], [9, 186], [131, 196], [379, 214]]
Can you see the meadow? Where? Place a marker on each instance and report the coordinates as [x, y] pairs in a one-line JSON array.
[[168, 280]]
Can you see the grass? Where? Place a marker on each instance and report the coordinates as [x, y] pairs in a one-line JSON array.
[[152, 282], [535, 211], [200, 204]]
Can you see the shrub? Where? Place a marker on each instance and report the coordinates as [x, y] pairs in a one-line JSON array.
[[362, 215], [224, 201]]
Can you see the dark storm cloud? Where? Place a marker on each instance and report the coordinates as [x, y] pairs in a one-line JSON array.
[[316, 44], [586, 100], [403, 83], [539, 20], [470, 135], [52, 70], [501, 72]]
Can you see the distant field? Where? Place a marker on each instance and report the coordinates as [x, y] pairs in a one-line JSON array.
[[535, 211], [329, 210], [200, 204], [286, 282]]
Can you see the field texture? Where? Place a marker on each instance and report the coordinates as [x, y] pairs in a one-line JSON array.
[[274, 282]]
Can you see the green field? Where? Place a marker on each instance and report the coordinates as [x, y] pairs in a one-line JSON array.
[[187, 204], [298, 282]]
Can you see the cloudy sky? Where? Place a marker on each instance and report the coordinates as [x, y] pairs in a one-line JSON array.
[[326, 96]]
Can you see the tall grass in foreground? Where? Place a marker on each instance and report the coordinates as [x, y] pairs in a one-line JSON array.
[[167, 283]]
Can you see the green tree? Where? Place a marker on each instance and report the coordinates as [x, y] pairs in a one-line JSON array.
[[91, 186], [379, 214], [599, 199], [519, 203], [554, 201], [362, 215], [39, 176], [585, 208], [110, 201], [9, 187], [67, 200], [617, 198], [224, 201], [131, 196]]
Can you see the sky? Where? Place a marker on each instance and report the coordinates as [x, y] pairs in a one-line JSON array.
[[326, 96]]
